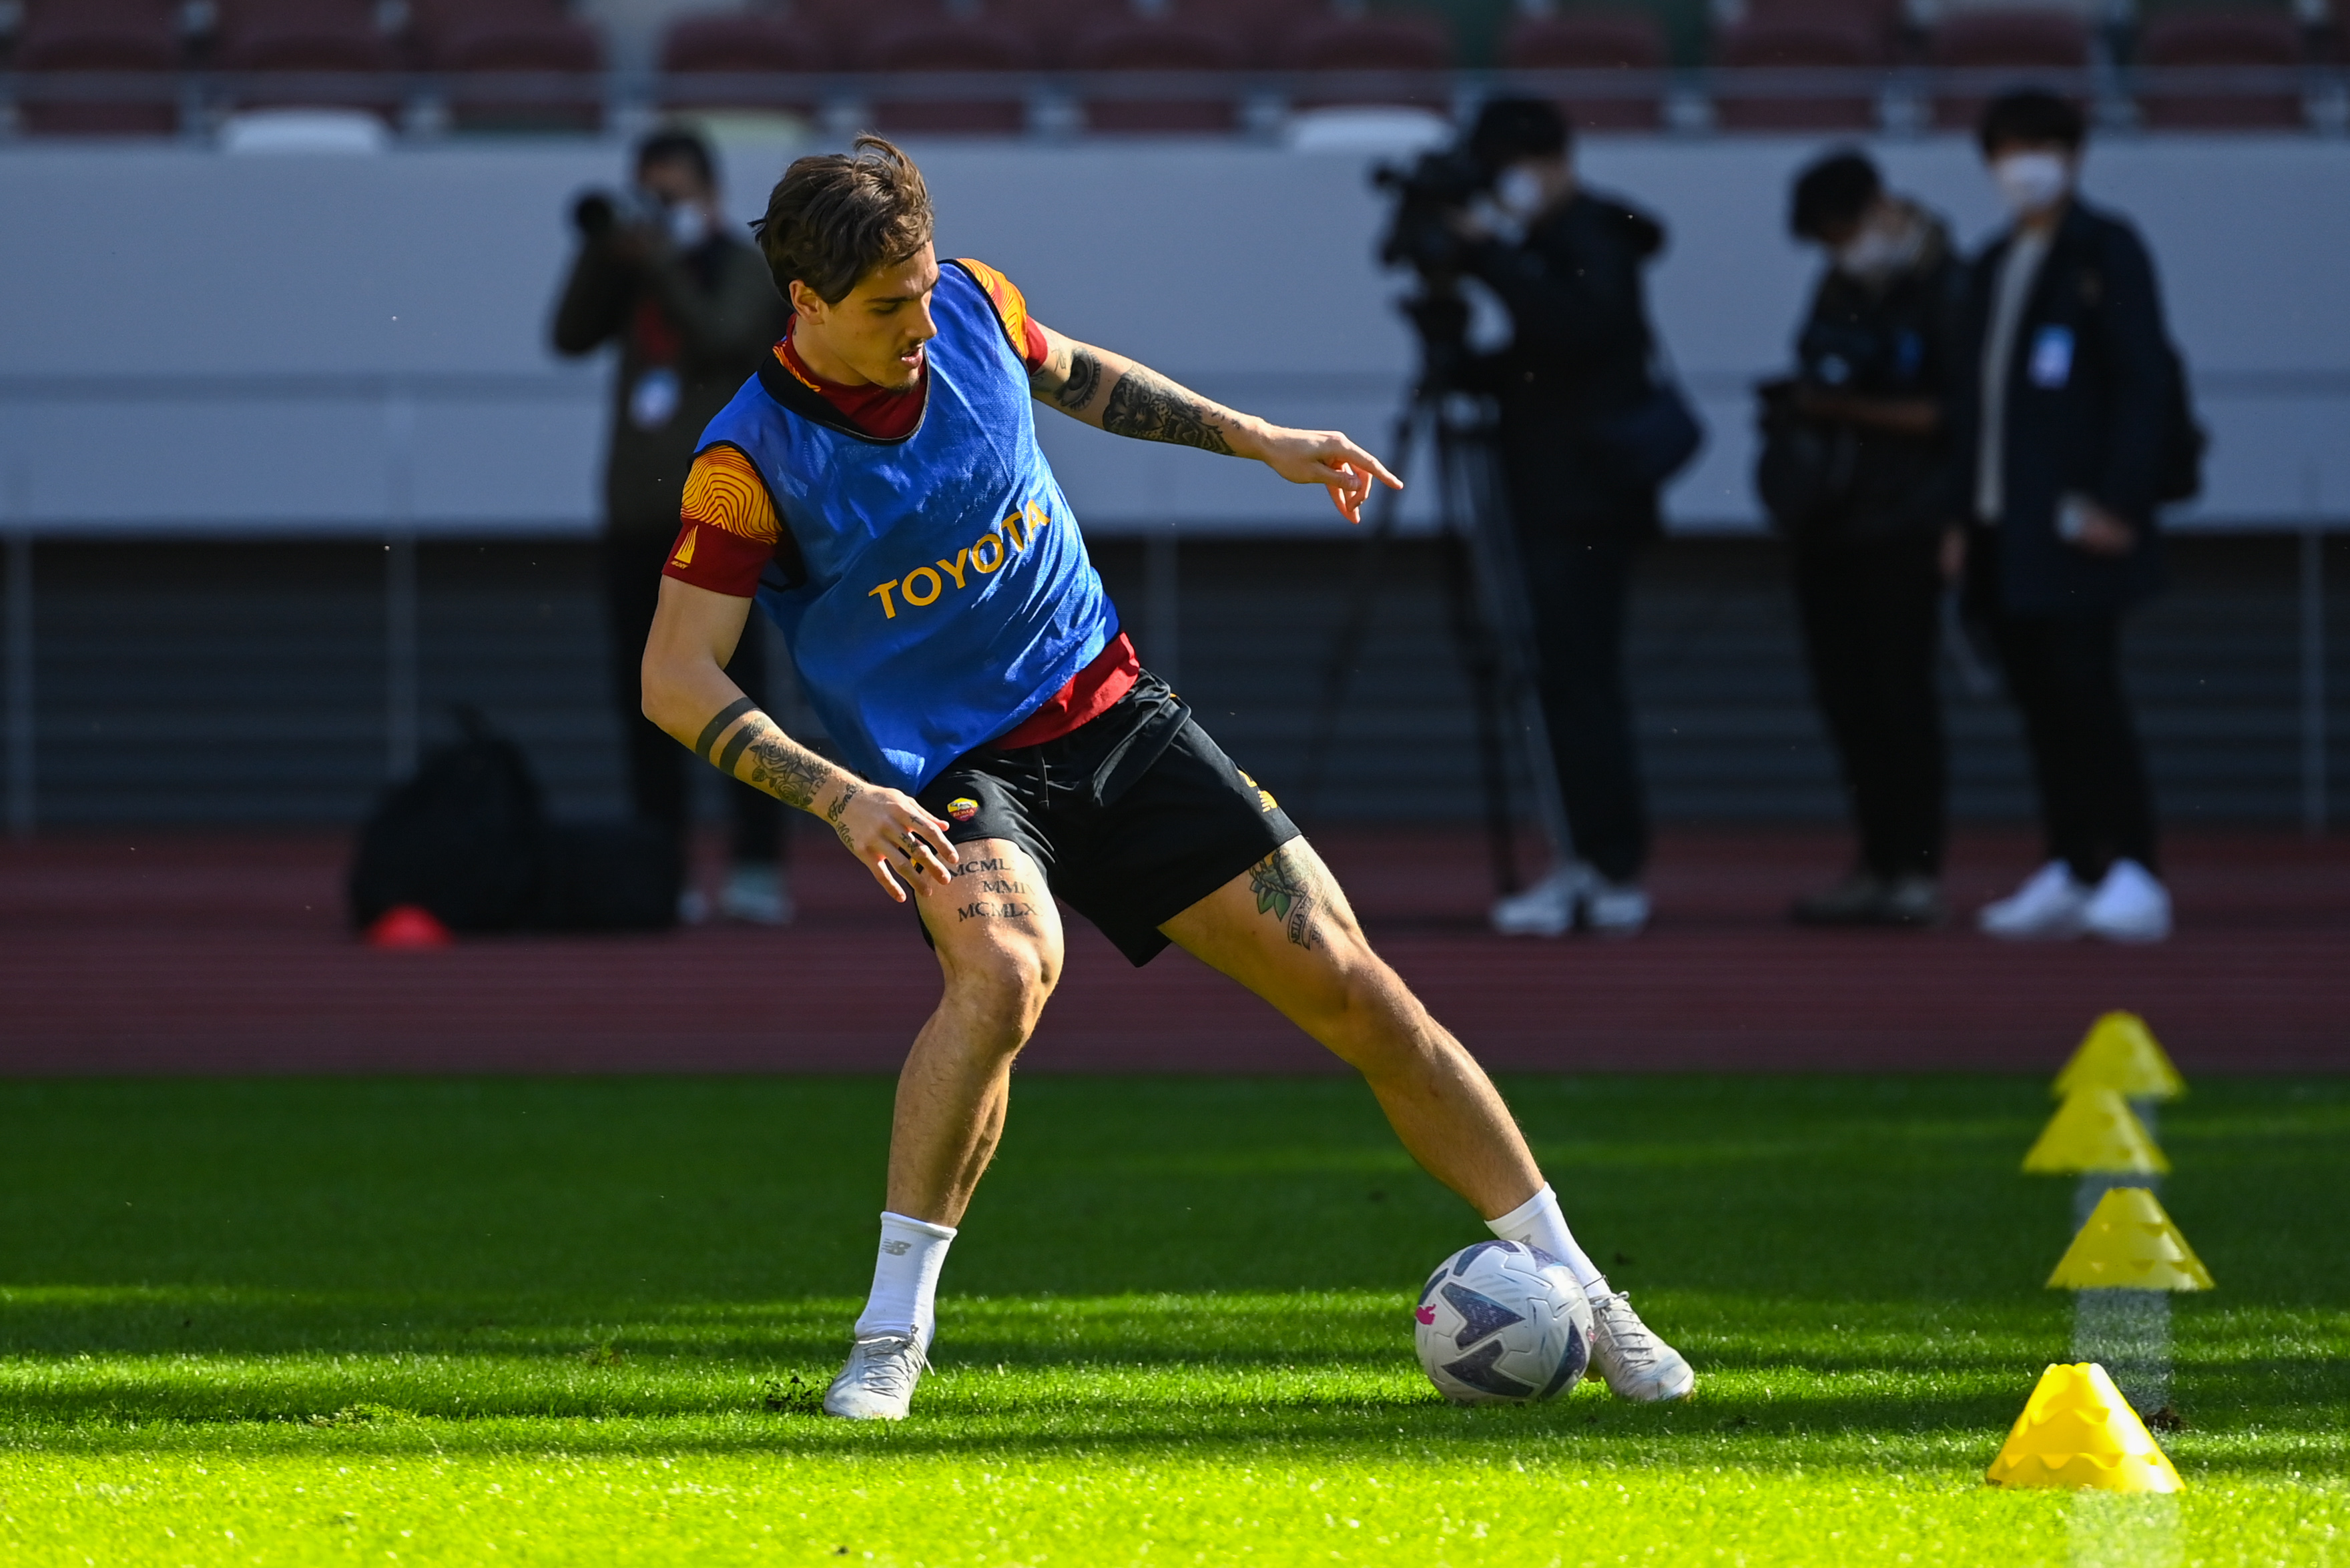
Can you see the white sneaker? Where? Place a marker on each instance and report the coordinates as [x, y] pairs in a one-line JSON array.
[[757, 894], [693, 908], [2049, 907], [878, 1383], [1544, 909], [1615, 909], [2129, 906], [1635, 1364]]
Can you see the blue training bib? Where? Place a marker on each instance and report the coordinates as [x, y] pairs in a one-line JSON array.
[[945, 592]]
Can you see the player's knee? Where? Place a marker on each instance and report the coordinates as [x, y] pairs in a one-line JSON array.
[[1004, 990], [1368, 1009]]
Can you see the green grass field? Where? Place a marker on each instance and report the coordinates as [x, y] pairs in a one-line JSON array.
[[547, 1321]]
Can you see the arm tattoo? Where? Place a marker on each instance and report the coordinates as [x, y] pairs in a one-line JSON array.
[[707, 745], [848, 791], [1084, 379], [785, 770], [1148, 407], [1284, 889]]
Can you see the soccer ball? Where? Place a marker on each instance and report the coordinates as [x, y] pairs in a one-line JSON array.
[[1502, 1323]]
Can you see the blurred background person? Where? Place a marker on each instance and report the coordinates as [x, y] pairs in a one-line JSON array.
[[1573, 386], [1855, 474], [692, 310], [2069, 427]]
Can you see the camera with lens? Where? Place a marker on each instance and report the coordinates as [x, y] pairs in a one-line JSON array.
[[1428, 192], [599, 213]]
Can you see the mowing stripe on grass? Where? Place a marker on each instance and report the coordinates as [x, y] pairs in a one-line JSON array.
[[2126, 1331]]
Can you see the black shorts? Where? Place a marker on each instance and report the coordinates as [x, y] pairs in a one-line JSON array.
[[1133, 817]]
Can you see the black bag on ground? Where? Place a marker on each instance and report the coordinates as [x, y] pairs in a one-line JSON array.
[[610, 877], [468, 839], [465, 837]]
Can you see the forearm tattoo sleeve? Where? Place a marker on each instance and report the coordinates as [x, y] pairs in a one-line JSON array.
[[1148, 407], [779, 764]]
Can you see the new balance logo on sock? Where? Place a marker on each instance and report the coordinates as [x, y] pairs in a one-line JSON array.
[[896, 1248]]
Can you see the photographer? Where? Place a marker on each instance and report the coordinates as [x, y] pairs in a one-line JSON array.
[[1587, 436], [693, 311], [1855, 472]]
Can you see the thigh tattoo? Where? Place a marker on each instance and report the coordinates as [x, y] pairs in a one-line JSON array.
[[1287, 888], [990, 890]]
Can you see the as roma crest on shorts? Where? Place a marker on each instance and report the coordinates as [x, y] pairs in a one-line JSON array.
[[1264, 800], [962, 808]]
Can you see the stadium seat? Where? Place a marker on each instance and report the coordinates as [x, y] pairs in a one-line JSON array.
[[331, 38], [1399, 60], [1053, 28], [1261, 28], [2219, 39], [428, 21], [1161, 46], [943, 47], [99, 35], [1882, 18], [699, 49], [2023, 42], [1822, 44], [564, 56], [1594, 41]]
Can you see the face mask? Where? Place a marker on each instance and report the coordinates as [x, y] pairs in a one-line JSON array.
[[688, 224], [2031, 183], [1519, 193], [1878, 253]]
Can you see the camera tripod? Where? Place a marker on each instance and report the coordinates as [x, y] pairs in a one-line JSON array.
[[1489, 615]]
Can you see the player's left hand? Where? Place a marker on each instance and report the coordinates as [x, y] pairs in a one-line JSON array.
[[1326, 458]]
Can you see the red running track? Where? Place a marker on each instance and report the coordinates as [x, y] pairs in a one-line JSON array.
[[161, 953]]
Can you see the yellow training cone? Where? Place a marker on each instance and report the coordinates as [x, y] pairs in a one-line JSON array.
[[2078, 1432], [2129, 1243], [2121, 1054], [2095, 1130]]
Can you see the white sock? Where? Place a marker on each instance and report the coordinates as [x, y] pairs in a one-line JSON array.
[[1539, 1222], [906, 1278]]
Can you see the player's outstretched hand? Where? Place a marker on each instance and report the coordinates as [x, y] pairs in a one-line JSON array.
[[1325, 458], [895, 838]]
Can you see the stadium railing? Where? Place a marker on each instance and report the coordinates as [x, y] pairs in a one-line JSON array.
[[1902, 96]]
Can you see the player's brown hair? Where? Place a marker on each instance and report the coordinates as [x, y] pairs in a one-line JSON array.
[[836, 216]]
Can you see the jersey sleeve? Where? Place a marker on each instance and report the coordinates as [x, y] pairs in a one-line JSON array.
[[727, 528], [1011, 309]]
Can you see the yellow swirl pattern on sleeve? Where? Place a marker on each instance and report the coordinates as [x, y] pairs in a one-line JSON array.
[[1011, 305], [724, 490]]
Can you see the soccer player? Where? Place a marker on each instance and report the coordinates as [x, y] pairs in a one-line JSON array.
[[879, 488]]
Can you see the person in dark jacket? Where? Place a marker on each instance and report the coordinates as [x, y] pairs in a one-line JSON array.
[[1579, 353], [693, 311], [1855, 472], [2066, 428]]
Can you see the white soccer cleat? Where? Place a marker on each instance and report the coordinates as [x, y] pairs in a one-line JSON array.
[[758, 896], [2129, 906], [1544, 909], [1615, 909], [878, 1383], [1635, 1364], [2051, 906]]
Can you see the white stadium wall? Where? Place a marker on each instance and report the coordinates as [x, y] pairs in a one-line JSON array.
[[196, 342]]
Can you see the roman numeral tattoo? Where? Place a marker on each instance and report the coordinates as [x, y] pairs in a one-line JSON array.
[[1283, 885], [1148, 407]]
